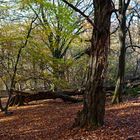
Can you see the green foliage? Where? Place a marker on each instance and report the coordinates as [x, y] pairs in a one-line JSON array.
[[52, 45], [133, 91], [47, 55]]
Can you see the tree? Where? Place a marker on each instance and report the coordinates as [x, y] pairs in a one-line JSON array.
[[92, 115], [123, 30], [13, 74], [59, 32]]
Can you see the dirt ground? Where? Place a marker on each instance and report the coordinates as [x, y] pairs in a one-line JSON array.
[[53, 119]]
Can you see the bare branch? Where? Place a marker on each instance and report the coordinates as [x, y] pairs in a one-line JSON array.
[[116, 29], [82, 13]]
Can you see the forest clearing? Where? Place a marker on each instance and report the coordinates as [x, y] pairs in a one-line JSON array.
[[70, 69]]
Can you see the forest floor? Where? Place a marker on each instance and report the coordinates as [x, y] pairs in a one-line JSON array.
[[53, 119]]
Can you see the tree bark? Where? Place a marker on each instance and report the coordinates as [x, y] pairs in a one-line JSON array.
[[92, 115]]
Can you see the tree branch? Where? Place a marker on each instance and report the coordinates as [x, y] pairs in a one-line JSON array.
[[80, 12]]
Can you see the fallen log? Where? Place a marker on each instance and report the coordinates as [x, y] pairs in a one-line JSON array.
[[133, 85], [69, 92], [21, 97], [51, 95]]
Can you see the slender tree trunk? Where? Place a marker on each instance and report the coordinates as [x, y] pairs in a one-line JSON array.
[[12, 84], [93, 111], [119, 90]]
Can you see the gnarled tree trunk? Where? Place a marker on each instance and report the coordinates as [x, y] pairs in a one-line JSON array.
[[93, 111]]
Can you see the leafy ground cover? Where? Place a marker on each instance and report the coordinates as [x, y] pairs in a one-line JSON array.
[[53, 119]]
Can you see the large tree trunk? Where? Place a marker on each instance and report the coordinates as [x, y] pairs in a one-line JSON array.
[[117, 98], [93, 111]]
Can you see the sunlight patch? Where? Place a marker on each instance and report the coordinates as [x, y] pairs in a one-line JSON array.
[[5, 119]]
